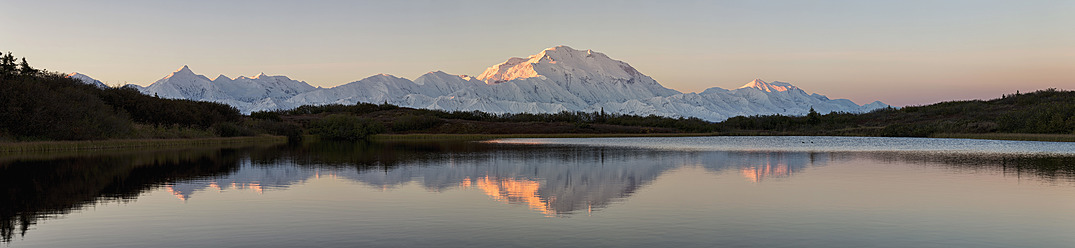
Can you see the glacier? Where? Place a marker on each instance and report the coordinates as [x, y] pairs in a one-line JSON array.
[[557, 79]]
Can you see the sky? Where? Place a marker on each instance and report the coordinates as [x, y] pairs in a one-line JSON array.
[[899, 52]]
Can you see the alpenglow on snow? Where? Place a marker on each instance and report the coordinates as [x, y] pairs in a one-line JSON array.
[[557, 79]]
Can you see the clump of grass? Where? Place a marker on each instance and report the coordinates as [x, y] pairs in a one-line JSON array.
[[146, 131], [49, 146], [1009, 136]]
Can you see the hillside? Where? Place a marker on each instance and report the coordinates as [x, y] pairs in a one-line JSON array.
[[1049, 111], [42, 105]]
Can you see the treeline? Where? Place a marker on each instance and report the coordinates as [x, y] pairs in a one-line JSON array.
[[1048, 111], [420, 118], [395, 119], [41, 105]]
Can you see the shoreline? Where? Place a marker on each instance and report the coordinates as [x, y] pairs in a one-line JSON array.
[[463, 137], [93, 145], [467, 137], [1008, 136]]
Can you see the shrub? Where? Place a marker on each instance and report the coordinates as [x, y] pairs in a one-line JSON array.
[[415, 122], [228, 129], [345, 127], [266, 115], [292, 131]]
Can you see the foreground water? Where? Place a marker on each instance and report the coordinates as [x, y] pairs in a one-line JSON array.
[[633, 192]]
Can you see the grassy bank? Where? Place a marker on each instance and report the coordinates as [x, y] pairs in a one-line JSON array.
[[442, 136], [53, 146], [1009, 136], [390, 137]]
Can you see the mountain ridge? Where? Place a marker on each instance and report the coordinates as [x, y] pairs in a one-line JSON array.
[[556, 79]]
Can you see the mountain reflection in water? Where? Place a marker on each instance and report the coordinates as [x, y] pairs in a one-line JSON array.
[[549, 179]]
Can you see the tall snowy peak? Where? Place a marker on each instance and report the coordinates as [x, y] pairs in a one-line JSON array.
[[563, 63], [775, 86], [564, 75]]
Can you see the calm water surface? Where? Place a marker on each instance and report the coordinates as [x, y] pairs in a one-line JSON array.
[[621, 192]]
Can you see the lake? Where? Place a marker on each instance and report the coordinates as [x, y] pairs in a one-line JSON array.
[[587, 192]]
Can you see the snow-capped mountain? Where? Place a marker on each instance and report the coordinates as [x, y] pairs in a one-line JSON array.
[[755, 98], [261, 92], [87, 80], [554, 80], [591, 77]]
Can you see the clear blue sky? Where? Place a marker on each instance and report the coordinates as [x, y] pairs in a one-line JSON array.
[[899, 52]]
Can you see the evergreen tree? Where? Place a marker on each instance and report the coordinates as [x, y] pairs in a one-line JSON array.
[[7, 65], [25, 69], [813, 117]]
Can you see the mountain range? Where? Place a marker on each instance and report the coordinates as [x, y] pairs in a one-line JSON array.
[[554, 80]]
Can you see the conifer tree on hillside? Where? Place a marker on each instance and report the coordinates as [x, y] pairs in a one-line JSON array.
[[25, 69], [7, 65]]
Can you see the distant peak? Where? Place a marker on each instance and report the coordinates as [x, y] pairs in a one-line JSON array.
[[756, 83], [560, 47], [768, 87], [222, 77], [382, 76], [182, 71]]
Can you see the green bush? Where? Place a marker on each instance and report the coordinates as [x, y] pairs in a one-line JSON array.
[[266, 115], [345, 127], [415, 122], [228, 129], [292, 131]]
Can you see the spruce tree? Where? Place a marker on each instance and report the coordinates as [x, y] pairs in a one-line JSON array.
[[25, 69], [7, 65], [813, 117]]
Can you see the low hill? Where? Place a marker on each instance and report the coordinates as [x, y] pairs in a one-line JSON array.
[[42, 105]]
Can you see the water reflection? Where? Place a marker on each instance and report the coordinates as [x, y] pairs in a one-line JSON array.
[[41, 187], [549, 179], [761, 166], [247, 177]]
